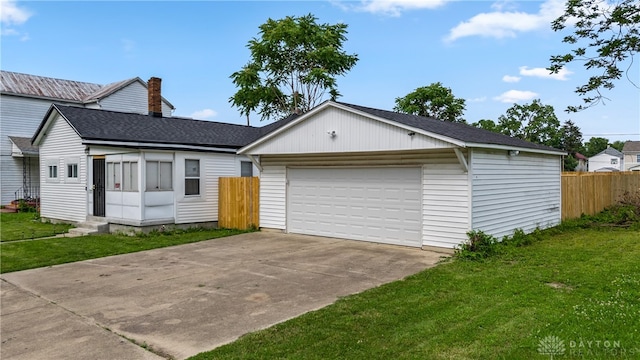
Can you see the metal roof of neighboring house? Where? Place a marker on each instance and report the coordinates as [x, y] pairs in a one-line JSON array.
[[24, 144], [610, 151], [631, 146], [113, 126], [60, 89]]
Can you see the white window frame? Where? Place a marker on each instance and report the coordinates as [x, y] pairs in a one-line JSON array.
[[192, 176], [114, 176], [638, 158], [130, 176], [53, 170], [250, 167], [614, 161], [159, 181]]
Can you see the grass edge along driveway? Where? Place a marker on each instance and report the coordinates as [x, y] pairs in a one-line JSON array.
[[573, 293]]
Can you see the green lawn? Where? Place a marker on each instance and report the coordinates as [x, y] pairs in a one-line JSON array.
[[24, 255], [579, 286], [27, 225]]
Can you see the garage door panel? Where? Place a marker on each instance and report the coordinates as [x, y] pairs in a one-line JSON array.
[[372, 204]]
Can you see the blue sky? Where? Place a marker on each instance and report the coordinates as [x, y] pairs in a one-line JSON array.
[[492, 54]]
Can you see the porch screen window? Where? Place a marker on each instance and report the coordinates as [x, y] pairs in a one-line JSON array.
[[191, 177], [53, 171], [129, 176], [114, 181], [159, 175], [72, 171]]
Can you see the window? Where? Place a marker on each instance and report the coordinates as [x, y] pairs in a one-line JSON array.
[[614, 161], [113, 176], [638, 158], [246, 168], [72, 171], [191, 177], [129, 176], [53, 171], [159, 176]]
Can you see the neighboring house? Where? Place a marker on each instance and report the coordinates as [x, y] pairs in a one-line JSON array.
[[607, 160], [631, 152], [25, 99], [583, 162], [132, 170], [354, 172]]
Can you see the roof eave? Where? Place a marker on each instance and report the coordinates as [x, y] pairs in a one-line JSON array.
[[165, 146], [519, 148]]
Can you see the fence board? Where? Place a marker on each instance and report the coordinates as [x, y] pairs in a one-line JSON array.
[[238, 202], [590, 193]]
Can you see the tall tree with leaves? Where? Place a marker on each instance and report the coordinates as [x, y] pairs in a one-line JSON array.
[[605, 36], [595, 145], [293, 64], [533, 122], [434, 101], [571, 142]]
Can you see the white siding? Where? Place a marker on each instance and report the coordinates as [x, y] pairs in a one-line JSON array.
[[354, 133], [514, 192], [132, 98], [445, 201], [63, 199], [604, 161], [273, 186], [193, 209]]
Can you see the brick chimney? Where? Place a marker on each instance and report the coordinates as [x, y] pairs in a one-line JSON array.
[[155, 97]]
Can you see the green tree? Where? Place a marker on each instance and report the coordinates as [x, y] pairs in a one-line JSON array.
[[605, 36], [487, 124], [571, 142], [293, 64], [434, 101], [533, 122], [595, 145], [618, 145]]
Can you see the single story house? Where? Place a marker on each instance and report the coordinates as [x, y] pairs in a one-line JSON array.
[[607, 160], [135, 170], [348, 171]]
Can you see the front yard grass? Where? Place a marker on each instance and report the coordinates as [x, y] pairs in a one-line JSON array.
[[24, 255], [573, 293], [27, 225]]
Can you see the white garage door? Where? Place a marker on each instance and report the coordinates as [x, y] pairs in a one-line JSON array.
[[371, 204]]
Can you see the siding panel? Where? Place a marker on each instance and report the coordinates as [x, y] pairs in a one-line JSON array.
[[519, 192], [273, 184]]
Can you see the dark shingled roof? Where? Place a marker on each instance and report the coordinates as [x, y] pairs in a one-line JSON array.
[[631, 146], [610, 151], [462, 132], [24, 144], [103, 125]]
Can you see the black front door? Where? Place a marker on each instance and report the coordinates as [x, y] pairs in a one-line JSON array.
[[98, 187]]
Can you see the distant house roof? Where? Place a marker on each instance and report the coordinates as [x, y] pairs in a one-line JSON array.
[[631, 146], [462, 132], [24, 145], [580, 156], [136, 130], [58, 89], [610, 151], [607, 169]]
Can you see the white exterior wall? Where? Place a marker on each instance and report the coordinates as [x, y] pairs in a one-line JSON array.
[[273, 197], [514, 192], [203, 207], [132, 98], [19, 116], [445, 189], [354, 133], [604, 160], [63, 198], [446, 203]]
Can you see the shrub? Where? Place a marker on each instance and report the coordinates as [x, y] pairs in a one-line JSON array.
[[478, 246]]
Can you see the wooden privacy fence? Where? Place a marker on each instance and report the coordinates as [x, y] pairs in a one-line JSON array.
[[590, 193], [238, 202]]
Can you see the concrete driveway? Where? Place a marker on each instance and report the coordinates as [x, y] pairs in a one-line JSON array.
[[179, 301]]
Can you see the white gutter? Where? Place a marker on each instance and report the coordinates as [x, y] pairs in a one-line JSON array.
[[509, 147]]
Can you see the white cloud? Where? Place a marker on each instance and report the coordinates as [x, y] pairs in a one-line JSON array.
[[544, 73], [514, 96], [392, 7], [12, 15], [502, 24], [204, 114], [510, 79]]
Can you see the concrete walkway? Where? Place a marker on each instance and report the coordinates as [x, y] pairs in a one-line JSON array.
[[179, 301]]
